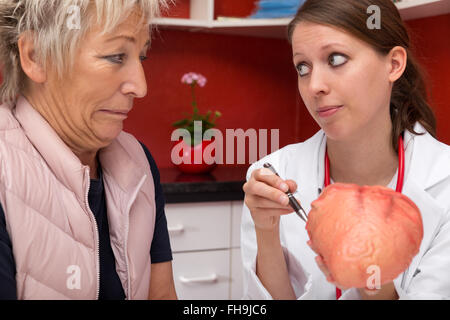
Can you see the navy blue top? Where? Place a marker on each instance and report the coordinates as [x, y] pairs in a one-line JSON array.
[[110, 285]]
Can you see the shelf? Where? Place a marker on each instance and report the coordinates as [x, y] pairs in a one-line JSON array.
[[226, 23], [269, 28], [416, 9], [202, 14]]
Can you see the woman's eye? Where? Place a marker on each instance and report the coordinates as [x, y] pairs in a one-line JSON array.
[[337, 59], [302, 70], [117, 58]]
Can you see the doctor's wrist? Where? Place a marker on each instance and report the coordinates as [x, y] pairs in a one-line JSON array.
[[268, 238]]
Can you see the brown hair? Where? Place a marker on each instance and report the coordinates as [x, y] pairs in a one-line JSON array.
[[409, 96]]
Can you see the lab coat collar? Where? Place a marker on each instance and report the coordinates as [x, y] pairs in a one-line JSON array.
[[429, 163]]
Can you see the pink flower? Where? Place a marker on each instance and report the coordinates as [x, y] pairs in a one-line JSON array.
[[201, 82], [192, 77]]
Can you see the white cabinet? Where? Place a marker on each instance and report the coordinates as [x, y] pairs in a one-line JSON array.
[[202, 275], [199, 226], [237, 288], [236, 281], [205, 240], [202, 19], [236, 214]]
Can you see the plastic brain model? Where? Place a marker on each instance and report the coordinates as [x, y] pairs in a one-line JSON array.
[[355, 228]]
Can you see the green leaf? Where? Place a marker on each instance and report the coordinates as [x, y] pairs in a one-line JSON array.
[[208, 115]]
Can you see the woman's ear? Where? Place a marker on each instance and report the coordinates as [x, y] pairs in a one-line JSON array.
[[398, 58], [30, 66]]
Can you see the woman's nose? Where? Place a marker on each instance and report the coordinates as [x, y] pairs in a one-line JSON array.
[[318, 83], [136, 83]]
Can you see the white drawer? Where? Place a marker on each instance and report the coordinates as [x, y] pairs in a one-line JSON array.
[[236, 214], [202, 275], [199, 226]]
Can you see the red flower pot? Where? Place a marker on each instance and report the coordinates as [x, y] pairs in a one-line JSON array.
[[187, 153]]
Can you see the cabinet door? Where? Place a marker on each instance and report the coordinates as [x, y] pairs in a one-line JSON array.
[[202, 275], [199, 226], [237, 286]]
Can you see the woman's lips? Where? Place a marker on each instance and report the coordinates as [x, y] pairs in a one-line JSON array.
[[118, 113], [329, 111]]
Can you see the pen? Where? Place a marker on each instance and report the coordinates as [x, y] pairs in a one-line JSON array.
[[292, 201]]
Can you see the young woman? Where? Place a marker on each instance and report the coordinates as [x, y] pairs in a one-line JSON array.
[[364, 89]]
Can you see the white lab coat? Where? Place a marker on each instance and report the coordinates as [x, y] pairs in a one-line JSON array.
[[427, 183]]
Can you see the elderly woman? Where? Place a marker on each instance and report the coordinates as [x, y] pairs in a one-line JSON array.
[[82, 210]]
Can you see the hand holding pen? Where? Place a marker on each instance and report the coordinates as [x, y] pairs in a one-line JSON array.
[[292, 201], [266, 198]]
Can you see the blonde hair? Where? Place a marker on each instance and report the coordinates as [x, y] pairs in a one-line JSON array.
[[56, 39]]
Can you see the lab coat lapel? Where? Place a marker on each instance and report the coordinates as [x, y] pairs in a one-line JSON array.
[[430, 161], [432, 216], [300, 164], [311, 169], [429, 166]]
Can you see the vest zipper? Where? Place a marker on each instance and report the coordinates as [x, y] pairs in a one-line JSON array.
[[96, 236], [127, 225]]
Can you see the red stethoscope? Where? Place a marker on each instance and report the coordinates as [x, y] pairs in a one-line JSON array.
[[400, 177]]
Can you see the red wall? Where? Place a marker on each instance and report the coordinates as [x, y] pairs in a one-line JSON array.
[[253, 83], [431, 36], [241, 8]]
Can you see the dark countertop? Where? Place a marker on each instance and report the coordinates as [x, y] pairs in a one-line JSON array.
[[223, 183]]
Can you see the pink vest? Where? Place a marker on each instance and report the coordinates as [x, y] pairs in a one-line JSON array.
[[44, 193]]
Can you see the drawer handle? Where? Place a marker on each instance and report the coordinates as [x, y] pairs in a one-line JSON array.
[[176, 229], [209, 279]]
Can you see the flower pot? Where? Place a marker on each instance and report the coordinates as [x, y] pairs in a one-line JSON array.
[[187, 153]]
